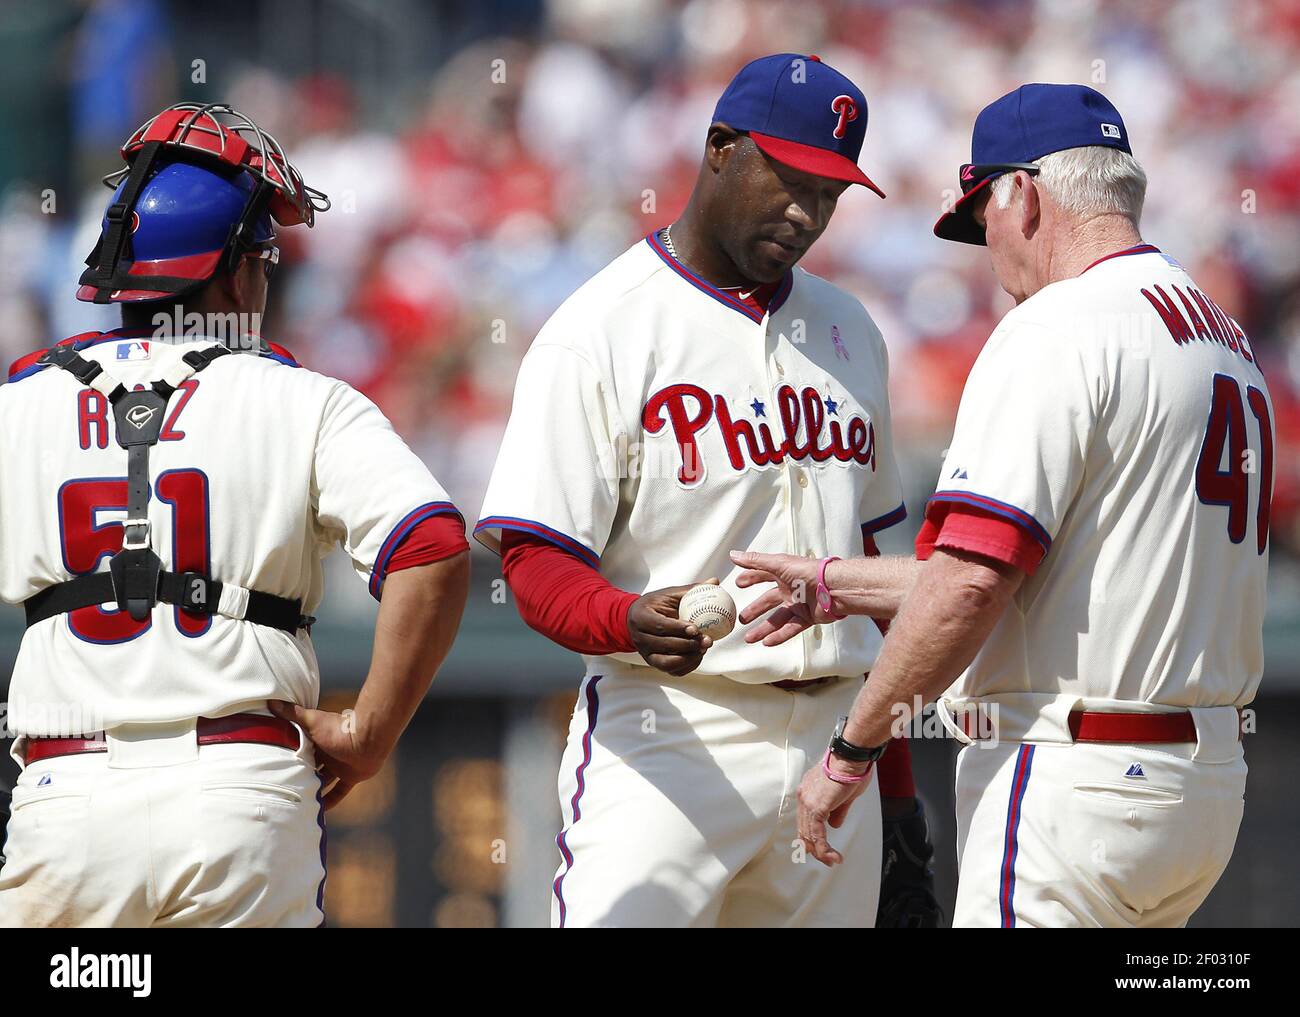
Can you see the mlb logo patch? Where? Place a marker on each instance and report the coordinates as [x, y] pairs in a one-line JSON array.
[[137, 349], [1110, 131], [1135, 772]]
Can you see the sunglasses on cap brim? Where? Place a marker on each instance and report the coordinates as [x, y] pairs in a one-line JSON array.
[[972, 174]]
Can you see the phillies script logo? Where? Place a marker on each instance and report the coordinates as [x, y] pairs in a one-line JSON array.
[[688, 409], [847, 109]]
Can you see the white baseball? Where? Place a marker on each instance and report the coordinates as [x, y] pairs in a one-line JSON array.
[[710, 609]]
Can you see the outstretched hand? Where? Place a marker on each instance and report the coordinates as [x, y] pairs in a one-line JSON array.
[[792, 601]]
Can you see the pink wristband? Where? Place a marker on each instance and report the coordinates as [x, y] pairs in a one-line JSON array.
[[840, 778], [823, 593]]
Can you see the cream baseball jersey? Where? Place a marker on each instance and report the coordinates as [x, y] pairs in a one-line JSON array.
[[659, 422], [262, 467], [1122, 420]]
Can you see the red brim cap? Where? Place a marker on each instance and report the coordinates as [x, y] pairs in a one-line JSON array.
[[810, 159], [960, 224]]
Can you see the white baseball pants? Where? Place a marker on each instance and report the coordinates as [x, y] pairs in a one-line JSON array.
[[160, 831], [1086, 834], [679, 805]]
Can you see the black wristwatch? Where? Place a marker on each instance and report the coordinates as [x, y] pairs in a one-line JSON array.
[[853, 753]]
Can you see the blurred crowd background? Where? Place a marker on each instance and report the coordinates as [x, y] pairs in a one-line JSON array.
[[485, 157]]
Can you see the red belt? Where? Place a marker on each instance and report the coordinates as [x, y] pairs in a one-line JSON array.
[[238, 727], [1114, 728], [797, 685], [1134, 728]]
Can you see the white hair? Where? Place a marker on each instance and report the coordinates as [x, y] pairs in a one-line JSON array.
[[1086, 182]]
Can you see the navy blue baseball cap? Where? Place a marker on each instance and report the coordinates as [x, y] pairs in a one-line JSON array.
[[1024, 125], [802, 113]]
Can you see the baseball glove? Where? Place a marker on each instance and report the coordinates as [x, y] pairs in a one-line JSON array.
[[907, 899]]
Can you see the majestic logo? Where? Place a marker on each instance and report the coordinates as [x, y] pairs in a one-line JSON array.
[[805, 420], [847, 108], [138, 416], [1135, 772]]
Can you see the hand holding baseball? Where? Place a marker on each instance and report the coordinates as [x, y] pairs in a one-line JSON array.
[[665, 641], [710, 609]]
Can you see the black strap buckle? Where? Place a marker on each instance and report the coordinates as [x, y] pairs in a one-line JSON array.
[[198, 593], [67, 357], [135, 580]]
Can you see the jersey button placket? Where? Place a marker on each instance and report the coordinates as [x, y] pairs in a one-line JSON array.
[[796, 477]]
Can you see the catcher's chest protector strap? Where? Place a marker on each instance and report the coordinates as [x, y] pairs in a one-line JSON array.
[[135, 577]]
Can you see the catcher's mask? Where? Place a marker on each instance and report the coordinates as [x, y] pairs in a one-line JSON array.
[[200, 189]]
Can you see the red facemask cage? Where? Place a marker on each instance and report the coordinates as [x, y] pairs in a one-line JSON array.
[[221, 133]]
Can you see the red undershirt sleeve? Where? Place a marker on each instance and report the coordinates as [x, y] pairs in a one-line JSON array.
[[966, 528], [564, 598], [431, 540]]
